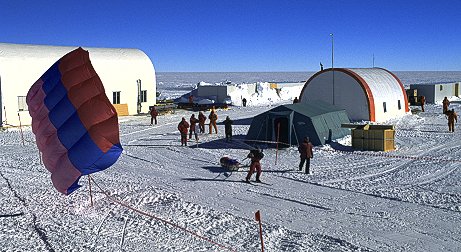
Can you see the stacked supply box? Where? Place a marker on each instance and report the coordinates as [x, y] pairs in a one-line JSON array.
[[373, 137]]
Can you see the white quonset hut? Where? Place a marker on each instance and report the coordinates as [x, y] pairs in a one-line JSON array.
[[369, 94], [128, 75]]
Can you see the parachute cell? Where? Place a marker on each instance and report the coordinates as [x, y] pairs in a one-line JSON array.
[[75, 125]]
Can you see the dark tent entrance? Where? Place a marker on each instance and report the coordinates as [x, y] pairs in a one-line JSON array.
[[289, 124], [282, 130]]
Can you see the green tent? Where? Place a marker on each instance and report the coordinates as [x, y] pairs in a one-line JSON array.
[[319, 121]]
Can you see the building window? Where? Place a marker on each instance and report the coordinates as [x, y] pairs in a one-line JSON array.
[[116, 97], [384, 106], [399, 105], [441, 87], [22, 105], [144, 96]]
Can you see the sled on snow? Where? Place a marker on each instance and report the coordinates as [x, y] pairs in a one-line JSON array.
[[229, 163]]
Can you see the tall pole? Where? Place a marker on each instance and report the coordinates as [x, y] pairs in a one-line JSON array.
[[139, 96], [332, 63]]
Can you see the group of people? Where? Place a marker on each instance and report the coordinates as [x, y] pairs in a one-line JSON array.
[[186, 128], [450, 115], [305, 150]]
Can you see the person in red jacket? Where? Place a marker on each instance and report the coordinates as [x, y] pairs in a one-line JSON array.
[[255, 156], [183, 126], [305, 154], [201, 122], [153, 115], [193, 121]]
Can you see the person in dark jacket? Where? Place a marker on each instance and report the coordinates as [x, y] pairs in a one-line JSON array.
[[244, 102], [183, 126], [305, 154], [228, 128], [193, 121], [153, 115], [255, 156], [295, 100], [201, 122], [422, 100]]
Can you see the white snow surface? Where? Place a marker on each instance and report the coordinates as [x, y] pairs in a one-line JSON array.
[[404, 200]]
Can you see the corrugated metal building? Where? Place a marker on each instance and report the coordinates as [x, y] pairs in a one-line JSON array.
[[435, 92], [369, 94]]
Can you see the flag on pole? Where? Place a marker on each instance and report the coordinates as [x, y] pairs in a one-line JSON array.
[[258, 216]]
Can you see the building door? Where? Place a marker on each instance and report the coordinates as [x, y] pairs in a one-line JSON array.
[[457, 89], [281, 131]]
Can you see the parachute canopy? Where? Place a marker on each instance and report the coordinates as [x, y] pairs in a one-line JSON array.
[[75, 125]]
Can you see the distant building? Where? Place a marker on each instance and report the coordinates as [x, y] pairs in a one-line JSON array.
[[369, 94], [119, 69], [435, 92]]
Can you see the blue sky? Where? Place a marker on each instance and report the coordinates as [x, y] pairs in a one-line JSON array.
[[246, 36]]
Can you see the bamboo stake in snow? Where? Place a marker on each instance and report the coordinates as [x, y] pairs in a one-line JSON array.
[[91, 195], [20, 128], [258, 219]]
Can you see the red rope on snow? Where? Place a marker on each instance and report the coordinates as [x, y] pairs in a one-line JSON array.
[[160, 219]]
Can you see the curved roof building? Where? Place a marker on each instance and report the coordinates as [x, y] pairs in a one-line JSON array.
[[119, 69], [369, 94]]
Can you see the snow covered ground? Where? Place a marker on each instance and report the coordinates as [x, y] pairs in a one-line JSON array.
[[405, 200], [165, 197]]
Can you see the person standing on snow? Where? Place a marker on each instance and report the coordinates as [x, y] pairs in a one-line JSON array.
[[193, 121], [295, 100], [422, 101], [213, 118], [255, 156], [452, 117], [201, 122], [445, 103], [153, 115], [244, 102], [305, 154], [182, 127], [228, 128]]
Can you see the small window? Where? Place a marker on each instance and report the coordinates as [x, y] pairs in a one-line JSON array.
[[441, 87], [384, 106], [22, 105], [144, 96], [399, 105], [116, 97]]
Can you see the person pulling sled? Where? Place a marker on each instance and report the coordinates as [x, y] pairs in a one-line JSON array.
[[255, 156]]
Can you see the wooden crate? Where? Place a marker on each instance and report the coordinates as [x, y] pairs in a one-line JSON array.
[[374, 138], [122, 109]]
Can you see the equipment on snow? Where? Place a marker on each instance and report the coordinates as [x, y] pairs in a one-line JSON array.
[[229, 163]]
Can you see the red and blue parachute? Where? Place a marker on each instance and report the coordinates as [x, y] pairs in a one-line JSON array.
[[75, 125]]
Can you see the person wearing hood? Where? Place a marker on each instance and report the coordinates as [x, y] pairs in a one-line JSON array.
[[255, 156], [201, 122], [213, 118], [183, 126], [193, 121], [228, 128], [305, 155], [153, 115]]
